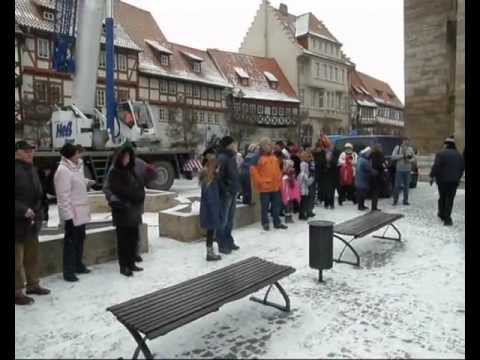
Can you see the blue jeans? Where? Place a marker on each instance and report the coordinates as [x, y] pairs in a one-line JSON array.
[[227, 214], [274, 199], [402, 178]]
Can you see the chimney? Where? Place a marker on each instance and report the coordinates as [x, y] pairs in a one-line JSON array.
[[283, 9]]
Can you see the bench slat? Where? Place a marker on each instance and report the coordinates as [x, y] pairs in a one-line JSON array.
[[365, 224], [214, 301], [159, 312], [142, 299], [224, 286], [186, 294], [211, 308]]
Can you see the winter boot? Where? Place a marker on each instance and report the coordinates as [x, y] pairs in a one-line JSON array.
[[211, 256], [136, 268], [22, 299], [289, 219], [38, 290], [125, 270], [266, 227], [138, 258]]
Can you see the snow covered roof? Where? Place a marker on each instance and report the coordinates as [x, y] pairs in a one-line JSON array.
[[191, 56], [364, 86], [240, 72], [270, 77], [366, 103], [258, 86], [28, 14], [156, 45]]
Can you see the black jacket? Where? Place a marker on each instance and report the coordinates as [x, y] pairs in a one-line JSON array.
[[28, 195], [448, 166], [377, 178], [229, 178], [129, 189]]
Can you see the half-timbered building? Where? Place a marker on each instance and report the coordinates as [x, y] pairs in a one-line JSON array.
[[262, 101], [375, 107], [42, 87]]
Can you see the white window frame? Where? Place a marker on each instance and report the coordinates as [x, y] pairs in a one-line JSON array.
[[318, 69], [197, 67], [122, 62], [201, 116], [163, 86], [43, 48], [100, 97], [164, 59], [102, 59], [337, 76]]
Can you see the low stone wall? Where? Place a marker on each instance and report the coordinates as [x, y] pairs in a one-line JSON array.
[[183, 224], [100, 247], [155, 201]]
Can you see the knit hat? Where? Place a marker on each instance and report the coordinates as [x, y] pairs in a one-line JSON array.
[[69, 150], [365, 151], [450, 139], [23, 145], [226, 141]]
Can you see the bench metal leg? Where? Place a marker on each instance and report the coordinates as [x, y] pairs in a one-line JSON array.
[[399, 238], [268, 303], [347, 244], [142, 346]]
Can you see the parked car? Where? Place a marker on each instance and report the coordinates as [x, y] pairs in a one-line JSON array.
[[388, 143]]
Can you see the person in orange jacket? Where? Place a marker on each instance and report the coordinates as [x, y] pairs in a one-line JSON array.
[[267, 179]]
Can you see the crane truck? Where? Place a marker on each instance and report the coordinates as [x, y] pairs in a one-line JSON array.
[[76, 51]]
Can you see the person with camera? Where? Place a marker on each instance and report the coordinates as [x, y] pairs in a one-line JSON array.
[[404, 156]]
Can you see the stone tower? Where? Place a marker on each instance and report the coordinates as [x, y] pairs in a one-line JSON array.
[[435, 72]]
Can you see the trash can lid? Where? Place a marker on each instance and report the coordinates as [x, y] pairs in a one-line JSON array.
[[321, 223]]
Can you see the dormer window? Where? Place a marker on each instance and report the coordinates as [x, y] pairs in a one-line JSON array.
[[49, 16], [242, 76], [164, 59], [379, 92], [272, 80], [197, 67]]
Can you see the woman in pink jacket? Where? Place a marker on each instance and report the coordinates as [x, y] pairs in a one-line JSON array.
[[74, 209]]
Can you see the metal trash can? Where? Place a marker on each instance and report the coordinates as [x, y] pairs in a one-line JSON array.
[[321, 246]]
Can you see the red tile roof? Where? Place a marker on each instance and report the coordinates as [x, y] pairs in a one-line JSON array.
[[368, 88], [257, 69]]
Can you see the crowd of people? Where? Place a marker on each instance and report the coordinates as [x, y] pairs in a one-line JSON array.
[[287, 179]]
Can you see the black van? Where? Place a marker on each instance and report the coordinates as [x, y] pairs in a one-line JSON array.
[[387, 142]]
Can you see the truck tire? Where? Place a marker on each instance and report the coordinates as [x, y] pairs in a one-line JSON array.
[[165, 178]]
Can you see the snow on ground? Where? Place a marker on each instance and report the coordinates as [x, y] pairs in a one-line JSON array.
[[407, 300]]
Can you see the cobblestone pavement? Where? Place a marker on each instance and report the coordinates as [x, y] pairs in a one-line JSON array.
[[406, 301]]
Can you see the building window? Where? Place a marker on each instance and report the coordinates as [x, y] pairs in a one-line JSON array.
[[245, 108], [252, 108], [100, 98], [281, 111], [122, 95], [197, 67], [342, 74], [315, 43], [204, 93], [260, 109], [325, 74], [41, 91], [274, 111], [218, 95], [321, 94], [201, 116], [172, 88], [244, 81], [122, 62], [211, 94], [54, 94], [321, 43], [267, 110], [161, 114], [171, 115], [164, 59], [163, 86], [217, 118], [337, 75], [318, 69], [236, 107], [188, 90], [194, 115], [314, 93], [102, 61], [196, 91], [43, 48], [331, 73], [210, 117], [301, 95]]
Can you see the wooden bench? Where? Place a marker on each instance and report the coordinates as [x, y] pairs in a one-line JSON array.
[[363, 225], [167, 309]]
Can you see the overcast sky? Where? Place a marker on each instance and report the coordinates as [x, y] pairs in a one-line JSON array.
[[371, 31]]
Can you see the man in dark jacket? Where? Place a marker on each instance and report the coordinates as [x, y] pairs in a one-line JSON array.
[[28, 221], [229, 182], [447, 170]]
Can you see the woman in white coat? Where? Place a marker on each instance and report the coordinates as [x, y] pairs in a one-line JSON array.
[[71, 190]]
